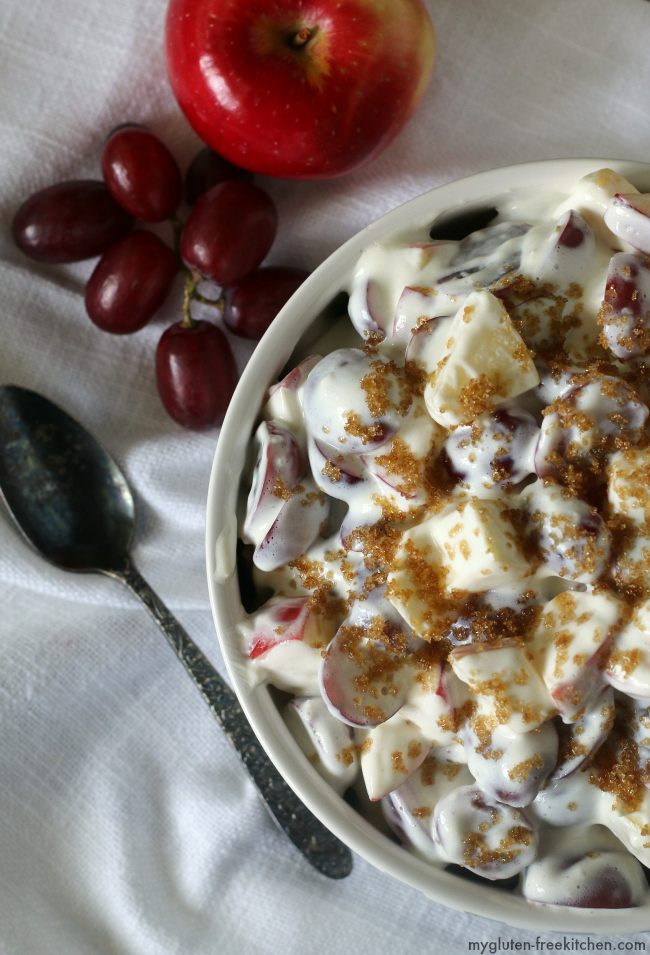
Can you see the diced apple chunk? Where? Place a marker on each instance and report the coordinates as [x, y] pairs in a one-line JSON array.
[[628, 663], [390, 753], [429, 707], [326, 742], [284, 403], [572, 642], [628, 217], [632, 568], [632, 828], [400, 467], [284, 641], [624, 312], [414, 307], [409, 810], [507, 687], [629, 484], [487, 362], [479, 546], [591, 197], [417, 583]]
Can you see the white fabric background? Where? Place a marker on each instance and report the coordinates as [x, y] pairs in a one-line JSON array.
[[126, 823]]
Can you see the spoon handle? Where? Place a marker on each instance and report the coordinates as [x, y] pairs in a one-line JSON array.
[[318, 845]]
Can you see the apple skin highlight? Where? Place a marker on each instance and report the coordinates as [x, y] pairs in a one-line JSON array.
[[299, 89]]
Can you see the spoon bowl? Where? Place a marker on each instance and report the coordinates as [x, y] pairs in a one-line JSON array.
[[66, 494]]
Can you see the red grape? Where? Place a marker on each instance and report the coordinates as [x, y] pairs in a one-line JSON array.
[[208, 169], [69, 222], [252, 305], [196, 374], [130, 283], [141, 173], [229, 231]]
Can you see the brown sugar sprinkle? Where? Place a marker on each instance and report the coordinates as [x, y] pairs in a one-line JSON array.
[[431, 767], [452, 722], [373, 713], [376, 388], [398, 762], [417, 377], [375, 580], [476, 397], [379, 543], [332, 555], [366, 432], [627, 660], [478, 853], [347, 570], [414, 750], [346, 756], [616, 770], [313, 578], [331, 471], [280, 489], [311, 498], [522, 771], [428, 579], [378, 666], [429, 657], [372, 340], [422, 812], [365, 746], [401, 461], [574, 290]]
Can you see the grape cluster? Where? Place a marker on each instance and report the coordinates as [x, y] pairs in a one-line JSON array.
[[229, 231]]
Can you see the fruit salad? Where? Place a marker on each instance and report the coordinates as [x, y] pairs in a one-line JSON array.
[[448, 519]]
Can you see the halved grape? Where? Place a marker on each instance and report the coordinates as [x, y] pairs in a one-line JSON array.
[[367, 673], [353, 401], [278, 468], [628, 216], [512, 767], [497, 449], [580, 740], [572, 537], [301, 518], [585, 424], [337, 474], [598, 879], [494, 840], [625, 312]]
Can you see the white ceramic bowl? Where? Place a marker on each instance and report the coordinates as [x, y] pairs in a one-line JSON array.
[[263, 368]]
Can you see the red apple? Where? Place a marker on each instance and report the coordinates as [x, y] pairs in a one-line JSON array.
[[299, 89]]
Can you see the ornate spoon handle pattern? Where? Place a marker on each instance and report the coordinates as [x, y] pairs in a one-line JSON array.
[[319, 846]]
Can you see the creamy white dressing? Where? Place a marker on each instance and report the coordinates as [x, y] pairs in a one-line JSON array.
[[459, 483]]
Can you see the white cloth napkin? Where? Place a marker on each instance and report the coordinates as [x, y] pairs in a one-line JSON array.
[[126, 822]]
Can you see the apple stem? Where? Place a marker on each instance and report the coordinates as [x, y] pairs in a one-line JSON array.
[[302, 37]]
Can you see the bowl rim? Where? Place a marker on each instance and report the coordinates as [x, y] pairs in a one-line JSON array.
[[270, 355]]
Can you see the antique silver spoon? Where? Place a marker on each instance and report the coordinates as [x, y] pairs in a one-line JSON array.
[[74, 506]]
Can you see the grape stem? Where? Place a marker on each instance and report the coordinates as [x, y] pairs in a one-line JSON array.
[[192, 280]]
